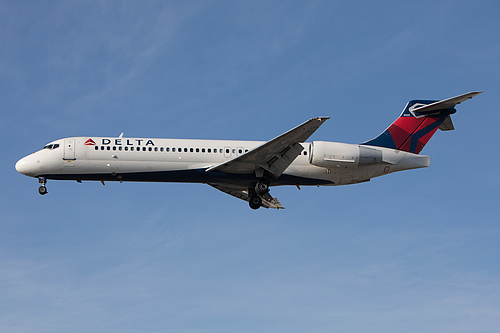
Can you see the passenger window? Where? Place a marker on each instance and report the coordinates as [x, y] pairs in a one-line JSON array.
[[227, 151], [161, 148], [114, 147], [144, 148], [203, 150], [197, 150], [305, 152], [185, 150], [102, 147], [240, 151], [120, 148], [108, 148], [191, 150], [167, 149], [209, 150], [173, 149], [126, 148], [131, 148], [96, 147]]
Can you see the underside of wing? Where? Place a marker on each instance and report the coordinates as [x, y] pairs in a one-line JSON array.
[[241, 193], [274, 156]]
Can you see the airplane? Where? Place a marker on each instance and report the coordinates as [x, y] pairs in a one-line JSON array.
[[247, 169]]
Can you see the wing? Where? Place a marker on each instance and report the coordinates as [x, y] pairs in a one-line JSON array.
[[274, 156], [241, 193]]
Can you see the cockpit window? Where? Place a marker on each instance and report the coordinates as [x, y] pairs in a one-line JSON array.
[[51, 146]]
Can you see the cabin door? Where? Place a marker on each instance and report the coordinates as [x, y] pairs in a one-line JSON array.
[[69, 150]]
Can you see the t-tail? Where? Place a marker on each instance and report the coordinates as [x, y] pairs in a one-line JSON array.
[[418, 123]]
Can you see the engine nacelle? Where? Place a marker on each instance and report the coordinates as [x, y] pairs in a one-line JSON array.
[[334, 154]]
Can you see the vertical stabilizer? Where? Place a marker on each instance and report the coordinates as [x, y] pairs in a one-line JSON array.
[[418, 123]]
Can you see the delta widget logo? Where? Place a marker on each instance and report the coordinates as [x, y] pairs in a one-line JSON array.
[[90, 142]]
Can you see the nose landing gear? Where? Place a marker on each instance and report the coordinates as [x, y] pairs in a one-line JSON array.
[[42, 189]]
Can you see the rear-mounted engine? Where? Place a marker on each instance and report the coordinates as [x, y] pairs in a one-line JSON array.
[[334, 154]]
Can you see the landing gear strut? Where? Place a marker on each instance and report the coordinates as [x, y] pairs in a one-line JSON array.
[[42, 189]]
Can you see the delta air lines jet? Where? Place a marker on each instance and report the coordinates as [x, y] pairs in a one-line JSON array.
[[247, 169]]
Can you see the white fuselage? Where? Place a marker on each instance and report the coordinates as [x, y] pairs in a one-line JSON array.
[[183, 160]]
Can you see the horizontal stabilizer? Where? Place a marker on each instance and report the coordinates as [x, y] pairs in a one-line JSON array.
[[447, 125], [434, 108]]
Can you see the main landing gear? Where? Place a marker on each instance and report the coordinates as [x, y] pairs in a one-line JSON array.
[[256, 193], [255, 202], [261, 188], [42, 189]]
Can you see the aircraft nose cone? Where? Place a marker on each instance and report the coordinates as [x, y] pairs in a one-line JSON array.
[[21, 166], [24, 166]]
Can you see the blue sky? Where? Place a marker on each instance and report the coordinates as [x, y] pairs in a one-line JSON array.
[[414, 251]]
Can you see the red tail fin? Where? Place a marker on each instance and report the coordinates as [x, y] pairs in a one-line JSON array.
[[418, 123]]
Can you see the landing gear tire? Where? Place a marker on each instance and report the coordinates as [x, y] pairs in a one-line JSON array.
[[255, 202], [261, 188], [42, 190]]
